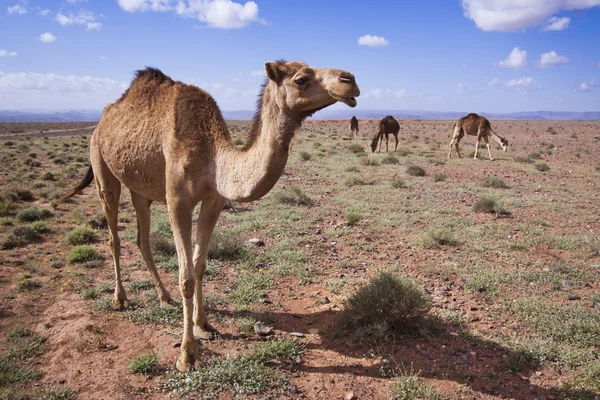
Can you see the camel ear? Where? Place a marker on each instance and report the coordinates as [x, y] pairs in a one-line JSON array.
[[273, 73]]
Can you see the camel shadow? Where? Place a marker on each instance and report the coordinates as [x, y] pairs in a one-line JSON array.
[[451, 354]]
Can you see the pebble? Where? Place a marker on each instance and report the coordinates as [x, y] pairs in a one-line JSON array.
[[262, 329], [350, 396], [176, 344], [313, 331], [297, 334], [574, 297], [325, 301], [259, 265], [257, 242]]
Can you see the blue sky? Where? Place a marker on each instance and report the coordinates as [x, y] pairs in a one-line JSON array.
[[446, 55]]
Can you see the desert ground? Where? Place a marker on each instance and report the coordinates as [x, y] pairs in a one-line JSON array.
[[505, 253]]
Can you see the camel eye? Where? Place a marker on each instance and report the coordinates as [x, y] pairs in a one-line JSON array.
[[300, 81]]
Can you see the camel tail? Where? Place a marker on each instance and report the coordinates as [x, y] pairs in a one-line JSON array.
[[85, 182]]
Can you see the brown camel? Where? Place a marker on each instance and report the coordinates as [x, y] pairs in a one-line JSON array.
[[353, 127], [386, 126], [168, 142], [475, 125]]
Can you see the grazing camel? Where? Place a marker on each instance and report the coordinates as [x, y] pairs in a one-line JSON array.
[[353, 127], [168, 142], [475, 125], [386, 126]]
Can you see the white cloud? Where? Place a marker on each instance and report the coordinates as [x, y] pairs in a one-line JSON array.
[[516, 59], [225, 14], [6, 53], [390, 94], [557, 24], [42, 11], [83, 17], [551, 58], [104, 58], [515, 15], [17, 9], [494, 82], [257, 72], [76, 1], [525, 84], [32, 81], [47, 37], [94, 26], [373, 41], [586, 86], [463, 90]]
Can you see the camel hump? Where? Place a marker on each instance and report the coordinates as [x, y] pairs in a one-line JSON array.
[[151, 74], [472, 115]]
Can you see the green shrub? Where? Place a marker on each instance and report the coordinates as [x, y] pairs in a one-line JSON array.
[[6, 207], [293, 196], [390, 160], [542, 167], [493, 182], [81, 235], [398, 183], [305, 156], [40, 227], [386, 306], [355, 148], [161, 245], [352, 218], [225, 245], [48, 176], [98, 221], [144, 364], [33, 214], [368, 161], [415, 170], [83, 253], [439, 177], [355, 180], [435, 238], [489, 205], [249, 288]]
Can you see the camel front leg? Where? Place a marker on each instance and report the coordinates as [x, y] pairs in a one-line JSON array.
[[387, 140], [396, 148], [180, 215], [476, 148], [209, 214], [487, 143], [450, 149]]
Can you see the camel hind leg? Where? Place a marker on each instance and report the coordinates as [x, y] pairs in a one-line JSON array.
[[487, 143], [142, 210], [456, 137], [396, 137], [387, 140], [109, 192]]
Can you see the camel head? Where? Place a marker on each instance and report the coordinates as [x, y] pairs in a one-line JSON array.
[[305, 90], [504, 144]]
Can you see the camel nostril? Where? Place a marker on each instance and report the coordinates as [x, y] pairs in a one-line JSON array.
[[346, 77]]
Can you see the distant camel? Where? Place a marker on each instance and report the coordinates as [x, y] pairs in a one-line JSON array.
[[386, 126], [168, 142], [353, 127], [475, 125]]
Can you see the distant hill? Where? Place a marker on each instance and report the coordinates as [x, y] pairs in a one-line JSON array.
[[94, 115]]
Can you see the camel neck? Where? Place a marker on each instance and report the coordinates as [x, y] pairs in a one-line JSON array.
[[249, 173]]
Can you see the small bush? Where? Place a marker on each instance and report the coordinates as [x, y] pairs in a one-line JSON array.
[[390, 160], [6, 207], [293, 196], [408, 387], [439, 177], [90, 294], [144, 364], [352, 218], [355, 181], [26, 283], [355, 148], [84, 253], [19, 236], [162, 246], [542, 167], [40, 227], [142, 285], [20, 195], [435, 238], [33, 214], [368, 161], [525, 160], [398, 183], [98, 221], [386, 306], [493, 182], [225, 245], [305, 156], [4, 221], [81, 235], [249, 288], [535, 156], [415, 170], [48, 176], [489, 205]]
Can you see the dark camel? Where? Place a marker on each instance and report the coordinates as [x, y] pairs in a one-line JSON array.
[[353, 127], [386, 126]]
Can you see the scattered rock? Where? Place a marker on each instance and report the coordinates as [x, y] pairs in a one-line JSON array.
[[257, 242], [313, 331], [574, 297], [265, 300], [176, 345], [350, 396], [325, 301], [259, 265], [297, 334], [262, 329]]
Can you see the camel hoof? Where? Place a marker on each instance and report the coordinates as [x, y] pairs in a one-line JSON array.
[[186, 361], [120, 305], [205, 332]]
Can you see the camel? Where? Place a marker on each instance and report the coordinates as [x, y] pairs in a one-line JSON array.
[[475, 125], [386, 126], [353, 127], [167, 141]]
